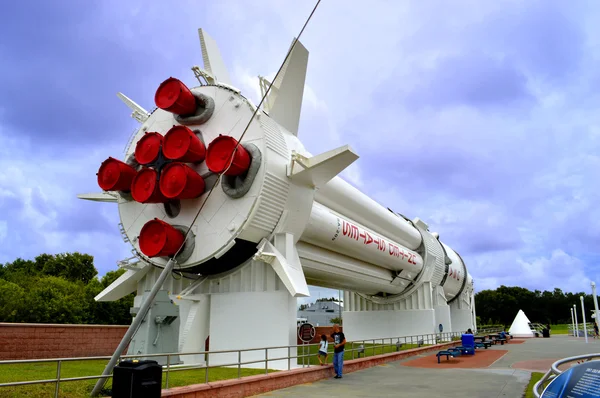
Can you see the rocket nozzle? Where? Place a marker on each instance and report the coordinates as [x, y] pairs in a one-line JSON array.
[[174, 96], [115, 175], [144, 188], [159, 239], [148, 148], [219, 156], [183, 145], [180, 181]]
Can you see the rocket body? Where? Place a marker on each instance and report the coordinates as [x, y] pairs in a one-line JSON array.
[[274, 201]]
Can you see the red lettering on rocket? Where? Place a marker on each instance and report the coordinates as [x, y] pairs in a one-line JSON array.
[[353, 232], [350, 230]]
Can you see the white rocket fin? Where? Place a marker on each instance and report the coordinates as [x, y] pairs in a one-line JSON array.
[[270, 99], [287, 101], [211, 56], [99, 197], [125, 284], [139, 113], [284, 259], [318, 170]]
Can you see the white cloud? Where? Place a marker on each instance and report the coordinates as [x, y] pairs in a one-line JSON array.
[[479, 174]]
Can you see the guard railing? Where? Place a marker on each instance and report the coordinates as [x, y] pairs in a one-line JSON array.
[[554, 371], [360, 348]]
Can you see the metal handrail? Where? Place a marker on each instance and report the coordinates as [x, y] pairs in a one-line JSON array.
[[373, 345], [554, 371]]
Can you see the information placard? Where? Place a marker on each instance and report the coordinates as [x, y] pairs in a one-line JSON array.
[[306, 332], [580, 381]]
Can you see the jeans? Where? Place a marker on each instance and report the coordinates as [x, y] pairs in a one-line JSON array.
[[338, 363]]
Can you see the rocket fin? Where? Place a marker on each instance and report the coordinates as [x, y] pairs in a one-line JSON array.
[[99, 197], [289, 89], [139, 113], [211, 56], [318, 170], [125, 284], [284, 259]]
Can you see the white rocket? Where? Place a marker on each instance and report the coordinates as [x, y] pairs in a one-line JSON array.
[[278, 214], [277, 202]]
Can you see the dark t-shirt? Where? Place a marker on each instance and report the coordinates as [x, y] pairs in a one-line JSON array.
[[337, 339]]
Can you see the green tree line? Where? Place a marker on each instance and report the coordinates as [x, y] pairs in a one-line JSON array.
[[59, 289], [500, 306]]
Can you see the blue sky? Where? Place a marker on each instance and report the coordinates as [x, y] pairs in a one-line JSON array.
[[480, 118]]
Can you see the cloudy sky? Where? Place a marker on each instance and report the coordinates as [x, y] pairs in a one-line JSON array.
[[480, 118]]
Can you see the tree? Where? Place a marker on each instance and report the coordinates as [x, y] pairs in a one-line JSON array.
[[12, 297], [335, 320], [59, 289], [500, 306], [71, 266]]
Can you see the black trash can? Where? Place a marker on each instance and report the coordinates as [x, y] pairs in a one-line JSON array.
[[137, 379], [546, 332]]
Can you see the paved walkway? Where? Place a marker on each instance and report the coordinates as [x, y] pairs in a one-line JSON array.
[[506, 377]]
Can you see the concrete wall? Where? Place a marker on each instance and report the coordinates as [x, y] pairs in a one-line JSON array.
[[38, 341], [368, 325], [236, 325]]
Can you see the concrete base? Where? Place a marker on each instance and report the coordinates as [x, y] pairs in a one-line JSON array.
[[461, 319], [252, 320], [442, 317], [368, 325]]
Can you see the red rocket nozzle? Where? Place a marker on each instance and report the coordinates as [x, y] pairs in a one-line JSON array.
[[115, 175], [174, 96], [144, 187], [148, 148], [220, 152], [182, 144], [179, 181], [158, 239]]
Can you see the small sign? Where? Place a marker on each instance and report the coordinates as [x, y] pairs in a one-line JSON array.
[[581, 381], [441, 328], [306, 332]]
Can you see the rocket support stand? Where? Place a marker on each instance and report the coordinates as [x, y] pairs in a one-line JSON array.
[[137, 321]]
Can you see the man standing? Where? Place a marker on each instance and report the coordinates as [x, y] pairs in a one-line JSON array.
[[339, 341]]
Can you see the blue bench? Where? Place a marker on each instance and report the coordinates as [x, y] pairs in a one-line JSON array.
[[466, 350], [455, 351], [483, 344], [447, 353]]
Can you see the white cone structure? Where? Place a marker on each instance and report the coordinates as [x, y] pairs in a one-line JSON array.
[[520, 326]]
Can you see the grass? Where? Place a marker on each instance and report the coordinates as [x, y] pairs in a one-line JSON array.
[[72, 389], [535, 377], [370, 350], [560, 328]]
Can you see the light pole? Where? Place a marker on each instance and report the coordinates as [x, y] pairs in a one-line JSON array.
[[584, 323], [573, 321], [576, 324], [340, 305], [595, 302]]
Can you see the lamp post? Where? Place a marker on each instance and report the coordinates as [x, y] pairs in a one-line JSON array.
[[584, 323], [595, 302], [576, 324], [573, 321]]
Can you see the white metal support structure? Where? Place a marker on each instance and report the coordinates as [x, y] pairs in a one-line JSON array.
[[595, 298], [576, 324], [584, 322]]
